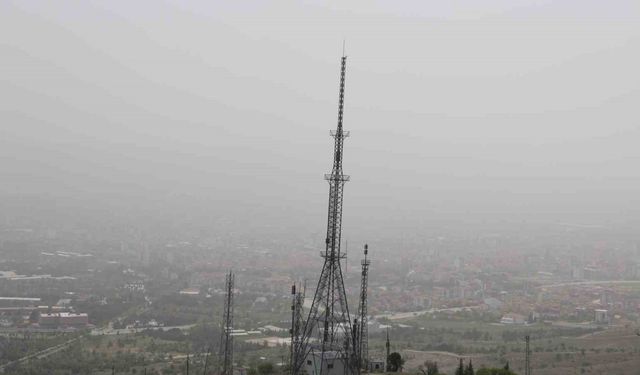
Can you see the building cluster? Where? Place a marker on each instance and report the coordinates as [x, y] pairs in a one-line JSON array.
[[22, 312], [63, 320], [31, 312]]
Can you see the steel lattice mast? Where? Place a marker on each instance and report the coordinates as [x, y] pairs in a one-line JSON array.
[[297, 322], [329, 314], [527, 356], [363, 334], [226, 338], [388, 347]]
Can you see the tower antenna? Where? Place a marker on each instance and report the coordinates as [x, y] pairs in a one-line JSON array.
[[527, 356], [331, 351], [297, 321], [226, 337], [363, 330], [388, 347]]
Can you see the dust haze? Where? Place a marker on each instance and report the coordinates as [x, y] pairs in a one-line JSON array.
[[162, 190], [459, 113]]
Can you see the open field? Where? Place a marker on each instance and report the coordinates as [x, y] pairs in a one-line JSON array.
[[556, 350]]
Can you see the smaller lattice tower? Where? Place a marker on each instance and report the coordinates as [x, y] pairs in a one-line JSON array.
[[527, 356], [297, 322], [226, 338], [363, 330], [388, 346]]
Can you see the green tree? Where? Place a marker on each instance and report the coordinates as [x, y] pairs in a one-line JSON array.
[[469, 369], [395, 361], [265, 368], [494, 371], [460, 369], [429, 368]]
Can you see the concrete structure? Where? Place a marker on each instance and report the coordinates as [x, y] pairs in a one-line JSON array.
[[513, 319], [601, 316], [376, 365], [49, 320], [332, 363]]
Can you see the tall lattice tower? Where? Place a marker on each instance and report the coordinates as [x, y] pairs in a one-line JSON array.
[[226, 338], [326, 345], [527, 356], [363, 329]]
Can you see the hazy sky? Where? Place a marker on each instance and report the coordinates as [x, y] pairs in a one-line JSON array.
[[468, 108]]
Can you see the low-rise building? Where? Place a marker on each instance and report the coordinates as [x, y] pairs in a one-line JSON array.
[[63, 319], [513, 319]]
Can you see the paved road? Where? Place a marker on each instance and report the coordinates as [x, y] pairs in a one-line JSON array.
[[448, 354], [124, 331], [40, 355], [411, 314], [13, 330], [604, 282]]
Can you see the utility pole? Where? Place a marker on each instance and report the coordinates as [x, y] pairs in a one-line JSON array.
[[206, 360], [292, 331], [388, 345], [527, 356]]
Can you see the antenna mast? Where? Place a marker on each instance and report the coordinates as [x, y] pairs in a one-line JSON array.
[[388, 347], [527, 356], [226, 337], [331, 350], [363, 334], [297, 322]]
